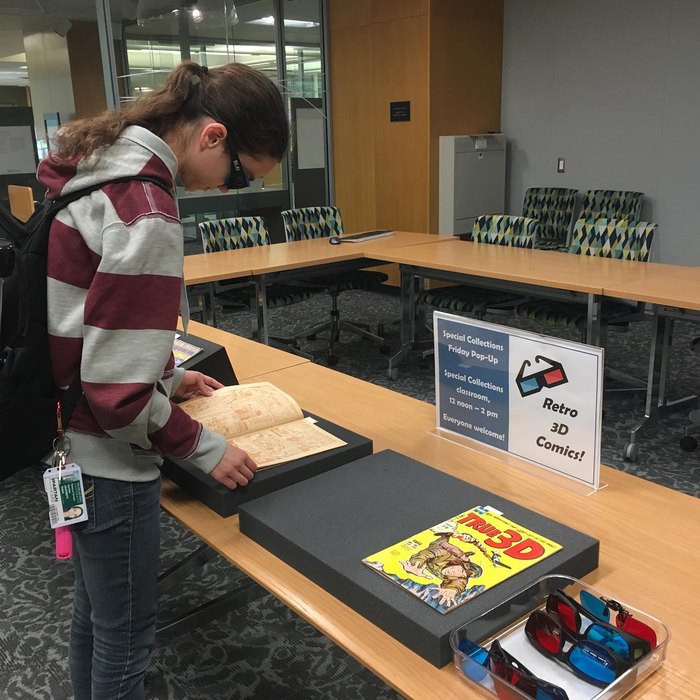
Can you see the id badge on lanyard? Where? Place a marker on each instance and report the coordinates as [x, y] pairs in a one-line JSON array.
[[64, 489]]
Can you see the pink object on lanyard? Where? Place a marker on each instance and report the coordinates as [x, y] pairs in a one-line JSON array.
[[64, 542]]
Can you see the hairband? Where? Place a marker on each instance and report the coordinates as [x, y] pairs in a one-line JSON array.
[[199, 74]]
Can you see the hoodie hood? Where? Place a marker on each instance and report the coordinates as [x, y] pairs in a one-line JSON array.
[[151, 157]]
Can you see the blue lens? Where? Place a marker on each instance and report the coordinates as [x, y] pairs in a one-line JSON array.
[[551, 692], [473, 666], [595, 606], [609, 639], [588, 659], [529, 385]]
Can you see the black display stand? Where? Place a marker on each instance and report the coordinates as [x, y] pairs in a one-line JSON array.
[[324, 527], [226, 502], [213, 360]]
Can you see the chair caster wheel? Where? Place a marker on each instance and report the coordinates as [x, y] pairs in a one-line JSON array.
[[631, 453], [688, 443], [332, 360], [384, 349], [392, 374]]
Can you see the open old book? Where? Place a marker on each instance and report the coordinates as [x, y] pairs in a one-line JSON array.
[[262, 420]]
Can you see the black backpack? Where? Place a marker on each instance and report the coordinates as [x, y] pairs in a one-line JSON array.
[[28, 395]]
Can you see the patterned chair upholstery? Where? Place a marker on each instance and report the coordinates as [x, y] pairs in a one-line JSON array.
[[553, 207], [613, 238], [247, 232], [312, 222], [231, 234], [607, 238], [496, 229], [611, 204], [322, 222]]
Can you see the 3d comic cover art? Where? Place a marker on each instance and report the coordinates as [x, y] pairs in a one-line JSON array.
[[456, 560]]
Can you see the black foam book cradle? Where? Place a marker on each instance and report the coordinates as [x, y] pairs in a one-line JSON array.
[[326, 525], [212, 360], [226, 502]]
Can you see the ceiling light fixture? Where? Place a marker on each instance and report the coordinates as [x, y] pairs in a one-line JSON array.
[[269, 21]]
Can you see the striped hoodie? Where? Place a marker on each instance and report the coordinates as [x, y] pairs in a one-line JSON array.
[[114, 290]]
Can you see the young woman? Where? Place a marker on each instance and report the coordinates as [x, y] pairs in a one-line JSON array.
[[114, 293]]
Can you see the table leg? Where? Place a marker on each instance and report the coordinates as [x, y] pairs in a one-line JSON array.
[[593, 320], [245, 593], [656, 402], [408, 320], [210, 306], [261, 297]]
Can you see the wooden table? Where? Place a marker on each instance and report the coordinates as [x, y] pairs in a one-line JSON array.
[[542, 268], [663, 285], [248, 357], [284, 261], [517, 269], [650, 541], [278, 257]]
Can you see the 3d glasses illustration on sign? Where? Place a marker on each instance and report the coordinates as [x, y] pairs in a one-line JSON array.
[[549, 375]]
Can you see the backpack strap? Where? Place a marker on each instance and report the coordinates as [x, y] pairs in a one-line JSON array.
[[53, 206]]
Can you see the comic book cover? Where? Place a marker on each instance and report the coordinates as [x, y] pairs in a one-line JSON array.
[[456, 560]]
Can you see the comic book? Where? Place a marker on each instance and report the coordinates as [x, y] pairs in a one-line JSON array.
[[263, 421], [183, 351], [456, 560]]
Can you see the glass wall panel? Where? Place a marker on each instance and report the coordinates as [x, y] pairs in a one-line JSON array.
[[50, 73], [305, 86], [211, 33]]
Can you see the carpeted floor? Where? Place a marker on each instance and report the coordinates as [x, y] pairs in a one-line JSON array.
[[262, 650]]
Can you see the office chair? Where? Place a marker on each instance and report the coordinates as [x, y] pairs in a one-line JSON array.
[[246, 232], [607, 238], [21, 200], [496, 229], [688, 443], [553, 207], [611, 204], [321, 222]]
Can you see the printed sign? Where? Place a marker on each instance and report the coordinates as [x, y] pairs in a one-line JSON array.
[[400, 111], [533, 396]]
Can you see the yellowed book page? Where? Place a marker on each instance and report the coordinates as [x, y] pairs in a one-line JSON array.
[[283, 443], [245, 408]]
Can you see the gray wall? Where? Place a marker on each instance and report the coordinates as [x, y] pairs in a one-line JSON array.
[[613, 86]]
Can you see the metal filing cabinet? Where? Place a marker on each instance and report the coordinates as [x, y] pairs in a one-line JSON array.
[[472, 180]]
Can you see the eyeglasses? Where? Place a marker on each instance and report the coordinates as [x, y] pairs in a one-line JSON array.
[[508, 668], [587, 659], [237, 177], [572, 616], [601, 607], [549, 375]]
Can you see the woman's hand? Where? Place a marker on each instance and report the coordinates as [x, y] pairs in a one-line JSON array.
[[195, 384], [236, 468]]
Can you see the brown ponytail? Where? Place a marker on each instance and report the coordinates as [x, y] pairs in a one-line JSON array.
[[242, 98]]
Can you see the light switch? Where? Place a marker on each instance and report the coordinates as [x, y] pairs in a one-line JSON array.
[[561, 165]]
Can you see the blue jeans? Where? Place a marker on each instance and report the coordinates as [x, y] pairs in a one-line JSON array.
[[115, 556]]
